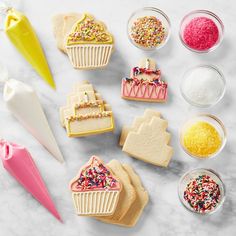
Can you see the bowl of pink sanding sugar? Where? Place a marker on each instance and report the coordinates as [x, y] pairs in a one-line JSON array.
[[201, 31]]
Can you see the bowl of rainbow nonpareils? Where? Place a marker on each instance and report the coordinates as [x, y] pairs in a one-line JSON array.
[[201, 191], [148, 28], [201, 31]]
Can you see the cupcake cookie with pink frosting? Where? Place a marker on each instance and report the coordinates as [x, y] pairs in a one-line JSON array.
[[95, 190]]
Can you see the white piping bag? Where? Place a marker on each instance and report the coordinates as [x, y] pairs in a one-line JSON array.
[[23, 102]]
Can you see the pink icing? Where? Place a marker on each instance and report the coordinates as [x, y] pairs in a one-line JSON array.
[[18, 162], [144, 91], [94, 176], [201, 33], [144, 84]]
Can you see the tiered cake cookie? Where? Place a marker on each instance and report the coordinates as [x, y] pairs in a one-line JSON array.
[[145, 83], [96, 177], [86, 113], [148, 114], [95, 191], [148, 140]]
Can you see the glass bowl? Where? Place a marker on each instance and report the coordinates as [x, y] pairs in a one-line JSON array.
[[209, 15], [195, 103], [212, 120], [192, 174], [149, 11]]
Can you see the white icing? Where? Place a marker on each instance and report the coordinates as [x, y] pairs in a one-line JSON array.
[[24, 104]]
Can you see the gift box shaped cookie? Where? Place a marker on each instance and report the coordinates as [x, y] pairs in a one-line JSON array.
[[95, 191], [145, 83], [89, 45], [86, 113]]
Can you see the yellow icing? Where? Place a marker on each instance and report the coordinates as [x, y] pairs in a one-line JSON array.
[[98, 131], [89, 31], [202, 139], [22, 35]]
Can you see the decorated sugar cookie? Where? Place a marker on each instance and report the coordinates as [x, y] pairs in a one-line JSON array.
[[95, 190], [145, 83], [86, 113], [112, 192], [89, 45]]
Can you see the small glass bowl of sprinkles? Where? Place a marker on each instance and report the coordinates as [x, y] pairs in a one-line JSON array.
[[148, 28], [201, 31], [203, 136], [203, 86], [201, 191]]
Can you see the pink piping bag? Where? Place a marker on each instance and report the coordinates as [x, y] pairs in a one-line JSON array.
[[19, 163]]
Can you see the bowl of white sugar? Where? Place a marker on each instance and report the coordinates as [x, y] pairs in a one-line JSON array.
[[203, 86]]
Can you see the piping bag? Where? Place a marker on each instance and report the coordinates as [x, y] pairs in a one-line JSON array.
[[19, 163], [23, 102], [22, 35]]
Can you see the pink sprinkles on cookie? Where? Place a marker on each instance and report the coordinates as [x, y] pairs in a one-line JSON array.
[[201, 33]]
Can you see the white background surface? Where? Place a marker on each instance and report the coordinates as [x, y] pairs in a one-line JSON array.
[[20, 214]]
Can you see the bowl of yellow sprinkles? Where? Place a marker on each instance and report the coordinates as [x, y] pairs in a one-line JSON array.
[[203, 136]]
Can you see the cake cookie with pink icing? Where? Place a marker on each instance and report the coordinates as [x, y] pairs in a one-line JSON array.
[[95, 190], [145, 83]]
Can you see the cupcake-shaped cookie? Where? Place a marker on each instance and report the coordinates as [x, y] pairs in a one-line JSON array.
[[95, 190], [89, 45]]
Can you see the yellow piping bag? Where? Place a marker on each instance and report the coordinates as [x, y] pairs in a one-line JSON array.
[[24, 38]]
